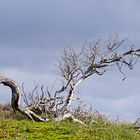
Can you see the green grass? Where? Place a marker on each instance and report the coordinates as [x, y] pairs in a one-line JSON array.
[[18, 127], [66, 130]]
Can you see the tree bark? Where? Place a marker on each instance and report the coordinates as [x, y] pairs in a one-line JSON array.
[[15, 91], [65, 108], [25, 110], [15, 99]]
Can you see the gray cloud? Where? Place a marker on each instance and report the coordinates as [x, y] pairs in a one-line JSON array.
[[31, 59], [32, 33], [39, 23]]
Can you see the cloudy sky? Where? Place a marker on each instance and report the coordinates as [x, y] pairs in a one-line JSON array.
[[33, 32]]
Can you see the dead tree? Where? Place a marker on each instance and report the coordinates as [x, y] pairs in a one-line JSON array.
[[95, 59], [73, 68]]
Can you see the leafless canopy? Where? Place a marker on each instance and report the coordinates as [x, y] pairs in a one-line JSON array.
[[74, 67], [96, 58]]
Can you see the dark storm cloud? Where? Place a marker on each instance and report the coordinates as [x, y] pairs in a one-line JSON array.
[[32, 23], [46, 25], [28, 59]]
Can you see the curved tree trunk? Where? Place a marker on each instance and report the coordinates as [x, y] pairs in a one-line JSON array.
[[15, 99], [25, 110], [15, 91]]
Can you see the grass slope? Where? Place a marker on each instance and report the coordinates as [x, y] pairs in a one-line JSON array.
[[66, 130]]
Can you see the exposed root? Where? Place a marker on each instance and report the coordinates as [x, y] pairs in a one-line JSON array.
[[69, 116]]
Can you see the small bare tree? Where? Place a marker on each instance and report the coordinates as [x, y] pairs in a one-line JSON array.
[[73, 68]]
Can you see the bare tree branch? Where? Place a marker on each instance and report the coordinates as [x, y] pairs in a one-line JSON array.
[[73, 68], [96, 58]]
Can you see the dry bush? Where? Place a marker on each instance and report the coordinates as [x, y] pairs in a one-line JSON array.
[[87, 114]]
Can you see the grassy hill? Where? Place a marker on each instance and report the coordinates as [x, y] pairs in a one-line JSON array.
[[65, 130], [20, 128]]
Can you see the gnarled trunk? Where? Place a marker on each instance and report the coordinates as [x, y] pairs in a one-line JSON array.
[[25, 110], [15, 99], [15, 91]]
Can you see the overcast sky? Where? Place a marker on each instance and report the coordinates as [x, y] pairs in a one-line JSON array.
[[32, 33]]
